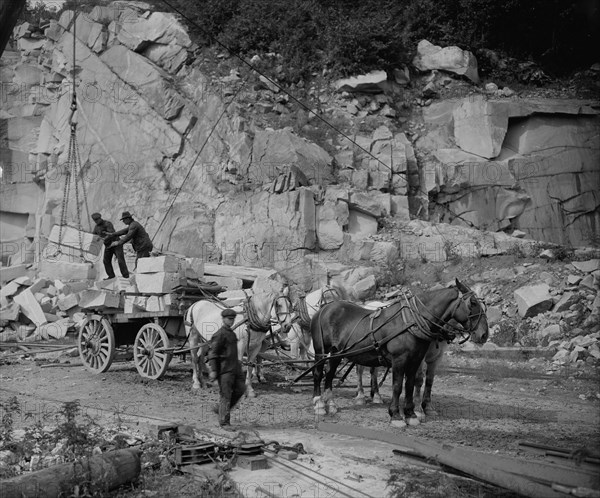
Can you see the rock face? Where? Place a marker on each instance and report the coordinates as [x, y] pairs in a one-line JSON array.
[[150, 132], [509, 165], [208, 178]]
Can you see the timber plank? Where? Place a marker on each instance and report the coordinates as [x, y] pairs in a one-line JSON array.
[[522, 476]]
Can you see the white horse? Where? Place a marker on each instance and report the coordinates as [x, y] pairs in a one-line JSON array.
[[305, 308], [261, 317]]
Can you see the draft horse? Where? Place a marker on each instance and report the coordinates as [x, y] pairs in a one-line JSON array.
[[397, 336], [305, 308], [257, 325]]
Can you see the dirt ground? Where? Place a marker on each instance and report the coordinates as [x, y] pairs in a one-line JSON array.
[[491, 408]]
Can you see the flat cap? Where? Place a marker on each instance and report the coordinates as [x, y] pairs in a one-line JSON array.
[[228, 312]]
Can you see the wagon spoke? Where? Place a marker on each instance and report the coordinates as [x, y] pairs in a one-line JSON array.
[[150, 359], [96, 343]]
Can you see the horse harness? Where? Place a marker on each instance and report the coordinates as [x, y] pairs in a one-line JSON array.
[[302, 306], [414, 323]]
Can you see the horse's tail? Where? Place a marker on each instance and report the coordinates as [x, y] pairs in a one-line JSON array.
[[316, 332]]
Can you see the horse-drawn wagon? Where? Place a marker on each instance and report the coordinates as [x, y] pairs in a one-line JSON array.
[[150, 338]]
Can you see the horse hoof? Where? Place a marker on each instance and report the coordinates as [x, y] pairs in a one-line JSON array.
[[377, 400], [412, 421], [360, 400], [398, 423], [332, 408], [419, 415], [316, 399], [320, 410], [250, 394]]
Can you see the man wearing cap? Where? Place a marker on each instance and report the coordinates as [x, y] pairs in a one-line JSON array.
[[140, 240], [106, 231], [226, 367]]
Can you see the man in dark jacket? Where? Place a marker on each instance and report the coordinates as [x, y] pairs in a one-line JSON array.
[[226, 367], [140, 240], [106, 231]]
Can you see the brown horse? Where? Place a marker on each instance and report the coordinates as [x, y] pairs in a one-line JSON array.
[[397, 336]]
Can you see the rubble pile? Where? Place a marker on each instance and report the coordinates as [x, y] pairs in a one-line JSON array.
[[560, 306]]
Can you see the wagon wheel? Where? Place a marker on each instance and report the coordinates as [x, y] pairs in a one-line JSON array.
[[148, 351], [96, 344]]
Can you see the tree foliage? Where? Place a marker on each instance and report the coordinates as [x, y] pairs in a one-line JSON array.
[[349, 36]]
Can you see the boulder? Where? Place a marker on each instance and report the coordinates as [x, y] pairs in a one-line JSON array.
[[480, 126], [452, 59], [533, 300], [565, 302], [587, 266], [373, 82], [159, 27], [365, 288], [361, 225]]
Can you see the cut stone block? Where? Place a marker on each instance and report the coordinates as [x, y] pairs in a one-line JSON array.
[[67, 271], [96, 299], [10, 313], [159, 283], [155, 303], [67, 302], [129, 306], [70, 238], [9, 290], [74, 287], [46, 304], [533, 300], [9, 273], [30, 307], [55, 330], [38, 285], [169, 264]]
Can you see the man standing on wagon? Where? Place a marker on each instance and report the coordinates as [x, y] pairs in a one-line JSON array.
[[106, 231], [140, 240], [226, 367]]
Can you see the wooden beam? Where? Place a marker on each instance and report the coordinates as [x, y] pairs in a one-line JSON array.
[[105, 472], [243, 272], [526, 477]]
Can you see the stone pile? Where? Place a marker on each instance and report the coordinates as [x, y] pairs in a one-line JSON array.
[[561, 305]]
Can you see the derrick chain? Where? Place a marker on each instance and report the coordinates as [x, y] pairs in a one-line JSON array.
[[73, 168]]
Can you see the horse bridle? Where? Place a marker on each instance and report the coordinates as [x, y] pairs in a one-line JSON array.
[[466, 298], [450, 331]]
